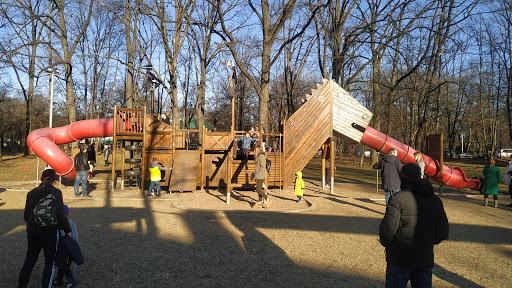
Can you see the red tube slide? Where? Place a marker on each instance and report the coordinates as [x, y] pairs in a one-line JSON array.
[[44, 142], [453, 177]]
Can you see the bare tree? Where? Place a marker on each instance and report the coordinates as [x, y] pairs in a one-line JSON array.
[[270, 19], [19, 49], [59, 26]]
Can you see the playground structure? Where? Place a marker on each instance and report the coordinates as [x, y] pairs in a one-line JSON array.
[[329, 111]]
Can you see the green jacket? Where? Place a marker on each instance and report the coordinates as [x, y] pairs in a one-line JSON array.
[[492, 178]]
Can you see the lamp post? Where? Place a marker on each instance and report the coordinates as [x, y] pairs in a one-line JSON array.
[[148, 69], [52, 72], [231, 90]]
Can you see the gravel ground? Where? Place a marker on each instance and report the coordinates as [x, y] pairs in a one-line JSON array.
[[197, 240]]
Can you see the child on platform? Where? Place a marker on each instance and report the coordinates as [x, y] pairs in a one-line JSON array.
[[66, 271], [299, 185], [247, 142], [155, 176]]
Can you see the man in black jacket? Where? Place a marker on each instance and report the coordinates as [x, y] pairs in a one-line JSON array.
[[390, 166], [42, 237], [415, 220], [82, 170]]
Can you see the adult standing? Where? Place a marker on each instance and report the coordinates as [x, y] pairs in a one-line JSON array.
[[492, 176], [82, 170], [260, 175], [390, 166], [43, 236], [414, 222], [418, 158], [508, 178], [106, 152], [91, 157]]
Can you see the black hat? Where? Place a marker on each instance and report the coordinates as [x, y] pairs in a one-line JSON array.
[[48, 173], [411, 170]]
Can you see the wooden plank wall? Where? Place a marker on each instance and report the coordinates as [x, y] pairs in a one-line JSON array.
[[239, 177], [185, 170], [306, 130]]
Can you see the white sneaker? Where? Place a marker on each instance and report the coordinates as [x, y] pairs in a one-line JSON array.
[[151, 194]]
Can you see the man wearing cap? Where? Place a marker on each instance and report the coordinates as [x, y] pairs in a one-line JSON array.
[[44, 237], [414, 222]]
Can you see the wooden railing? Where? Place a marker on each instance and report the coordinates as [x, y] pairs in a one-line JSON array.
[[129, 121]]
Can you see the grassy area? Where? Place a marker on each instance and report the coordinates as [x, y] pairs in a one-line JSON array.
[[16, 167], [348, 169]]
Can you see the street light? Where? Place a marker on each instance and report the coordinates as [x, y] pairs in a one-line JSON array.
[[52, 72]]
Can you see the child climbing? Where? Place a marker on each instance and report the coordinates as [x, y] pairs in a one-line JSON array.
[[247, 142], [299, 185]]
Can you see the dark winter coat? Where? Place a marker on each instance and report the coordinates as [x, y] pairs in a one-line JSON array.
[[67, 251], [390, 166], [415, 220], [81, 162], [33, 198]]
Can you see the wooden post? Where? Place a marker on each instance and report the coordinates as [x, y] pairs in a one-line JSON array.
[[143, 152], [332, 163], [324, 155], [202, 158], [123, 167], [114, 139]]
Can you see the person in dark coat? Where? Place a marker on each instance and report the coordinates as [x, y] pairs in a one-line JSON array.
[[46, 237], [91, 157], [414, 222], [390, 166]]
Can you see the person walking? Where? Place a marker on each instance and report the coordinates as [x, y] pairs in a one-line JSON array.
[[390, 166], [66, 271], [260, 175], [82, 171], [299, 185], [45, 215], [492, 176], [508, 178], [415, 221]]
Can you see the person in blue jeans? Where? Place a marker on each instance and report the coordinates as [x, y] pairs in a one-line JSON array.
[[155, 176], [390, 166], [414, 222], [82, 170]]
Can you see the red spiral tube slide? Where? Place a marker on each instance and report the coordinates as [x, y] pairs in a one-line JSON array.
[[453, 177], [44, 141]]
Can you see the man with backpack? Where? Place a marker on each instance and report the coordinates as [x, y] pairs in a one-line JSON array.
[[45, 216]]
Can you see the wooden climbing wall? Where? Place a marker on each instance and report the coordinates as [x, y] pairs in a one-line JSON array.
[[185, 170], [306, 130]]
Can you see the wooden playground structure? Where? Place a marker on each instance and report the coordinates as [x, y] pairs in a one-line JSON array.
[[217, 162]]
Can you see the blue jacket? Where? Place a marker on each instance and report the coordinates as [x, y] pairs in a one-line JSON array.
[[67, 251]]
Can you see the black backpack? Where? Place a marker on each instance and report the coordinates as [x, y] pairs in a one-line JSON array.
[[45, 212], [268, 164]]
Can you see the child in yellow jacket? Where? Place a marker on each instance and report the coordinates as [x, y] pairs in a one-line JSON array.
[[299, 185]]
